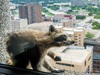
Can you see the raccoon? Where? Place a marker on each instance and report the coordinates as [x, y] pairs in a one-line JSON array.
[[29, 45]]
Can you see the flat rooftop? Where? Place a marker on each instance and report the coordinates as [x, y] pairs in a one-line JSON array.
[[74, 55], [68, 32], [72, 29], [41, 26]]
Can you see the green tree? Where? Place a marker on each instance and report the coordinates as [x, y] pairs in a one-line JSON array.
[[95, 23], [97, 16], [89, 35], [98, 13], [90, 14], [95, 27], [80, 17], [98, 25]]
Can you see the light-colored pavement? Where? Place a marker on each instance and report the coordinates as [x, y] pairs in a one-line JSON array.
[[54, 12]]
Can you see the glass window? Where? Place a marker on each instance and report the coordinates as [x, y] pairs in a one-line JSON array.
[[75, 36]]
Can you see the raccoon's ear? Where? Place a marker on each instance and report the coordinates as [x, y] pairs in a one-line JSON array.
[[51, 29]]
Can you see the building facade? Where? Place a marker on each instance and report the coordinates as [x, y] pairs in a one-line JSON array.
[[32, 12], [67, 23], [78, 2], [46, 19], [59, 17], [18, 24], [96, 52], [76, 34], [74, 58]]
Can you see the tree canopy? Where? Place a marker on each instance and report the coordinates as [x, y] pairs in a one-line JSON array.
[[89, 35], [54, 7], [80, 17], [96, 25], [90, 13]]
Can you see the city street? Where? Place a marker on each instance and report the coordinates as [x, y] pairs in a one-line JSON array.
[[84, 23]]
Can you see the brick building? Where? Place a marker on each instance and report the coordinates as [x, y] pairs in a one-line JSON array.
[[32, 12]]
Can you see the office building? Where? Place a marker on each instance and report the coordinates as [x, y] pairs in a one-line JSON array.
[[76, 34], [96, 52], [59, 17], [32, 12], [18, 24], [74, 58]]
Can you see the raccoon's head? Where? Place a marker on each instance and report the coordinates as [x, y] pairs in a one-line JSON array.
[[60, 39]]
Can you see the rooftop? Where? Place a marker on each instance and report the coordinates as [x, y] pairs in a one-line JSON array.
[[72, 29], [95, 32], [75, 54], [93, 41], [41, 26], [68, 32]]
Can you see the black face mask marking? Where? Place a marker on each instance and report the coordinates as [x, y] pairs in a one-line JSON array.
[[61, 38]]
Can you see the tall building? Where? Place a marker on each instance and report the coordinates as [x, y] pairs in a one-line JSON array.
[[32, 12], [78, 2], [73, 58], [96, 52], [76, 34]]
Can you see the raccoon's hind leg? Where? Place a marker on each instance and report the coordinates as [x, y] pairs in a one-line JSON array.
[[53, 56], [39, 66], [47, 65]]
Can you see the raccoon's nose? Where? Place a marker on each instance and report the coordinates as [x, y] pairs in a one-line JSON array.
[[72, 42]]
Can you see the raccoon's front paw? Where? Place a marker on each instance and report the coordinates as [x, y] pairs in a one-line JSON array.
[[58, 71], [57, 58]]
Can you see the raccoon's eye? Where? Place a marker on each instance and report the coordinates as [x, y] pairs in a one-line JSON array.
[[61, 38]]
